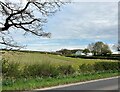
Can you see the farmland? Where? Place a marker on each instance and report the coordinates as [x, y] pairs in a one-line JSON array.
[[37, 58], [28, 70]]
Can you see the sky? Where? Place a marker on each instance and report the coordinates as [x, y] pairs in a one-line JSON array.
[[75, 26]]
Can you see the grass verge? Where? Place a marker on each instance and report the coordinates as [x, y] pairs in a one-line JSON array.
[[35, 83]]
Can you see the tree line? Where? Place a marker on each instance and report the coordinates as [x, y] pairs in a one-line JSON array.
[[97, 49]]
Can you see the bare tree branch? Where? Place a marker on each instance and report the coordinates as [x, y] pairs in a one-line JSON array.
[[24, 17]]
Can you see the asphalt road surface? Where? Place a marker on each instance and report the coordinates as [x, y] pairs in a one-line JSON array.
[[102, 84]]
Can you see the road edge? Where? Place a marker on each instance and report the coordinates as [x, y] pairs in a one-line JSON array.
[[73, 84]]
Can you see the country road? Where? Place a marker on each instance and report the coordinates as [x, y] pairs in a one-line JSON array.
[[101, 84]]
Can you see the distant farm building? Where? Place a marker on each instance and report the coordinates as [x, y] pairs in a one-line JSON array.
[[79, 52]]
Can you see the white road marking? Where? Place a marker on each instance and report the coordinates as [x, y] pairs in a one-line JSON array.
[[73, 84]]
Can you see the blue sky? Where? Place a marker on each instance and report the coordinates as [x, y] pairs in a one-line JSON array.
[[75, 26]]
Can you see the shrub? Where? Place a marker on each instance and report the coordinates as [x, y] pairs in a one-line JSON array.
[[66, 69], [86, 68], [10, 69], [40, 70], [8, 81], [99, 66], [102, 66], [14, 70]]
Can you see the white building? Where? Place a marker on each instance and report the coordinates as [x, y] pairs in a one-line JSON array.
[[89, 54], [78, 53]]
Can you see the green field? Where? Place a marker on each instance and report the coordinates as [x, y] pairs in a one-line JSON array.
[[30, 70], [36, 58]]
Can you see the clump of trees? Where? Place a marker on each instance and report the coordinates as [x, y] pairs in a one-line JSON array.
[[67, 52], [99, 49], [64, 52], [86, 51]]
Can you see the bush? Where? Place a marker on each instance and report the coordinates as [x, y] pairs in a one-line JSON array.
[[66, 70], [14, 70], [10, 69], [40, 70], [8, 81], [47, 70], [86, 68], [99, 66], [102, 66], [96, 57]]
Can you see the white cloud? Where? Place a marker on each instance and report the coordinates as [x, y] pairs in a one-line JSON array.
[[84, 21], [53, 47]]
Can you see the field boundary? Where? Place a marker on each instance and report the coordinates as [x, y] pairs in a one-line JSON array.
[[73, 84]]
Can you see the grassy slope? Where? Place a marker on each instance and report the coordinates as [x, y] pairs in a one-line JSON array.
[[33, 58], [36, 83]]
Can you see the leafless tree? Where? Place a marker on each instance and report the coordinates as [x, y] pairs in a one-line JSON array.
[[29, 17]]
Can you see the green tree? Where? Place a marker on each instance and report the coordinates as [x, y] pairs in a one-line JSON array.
[[65, 52], [100, 48], [106, 50], [86, 51]]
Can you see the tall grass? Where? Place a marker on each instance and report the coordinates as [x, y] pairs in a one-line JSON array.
[[16, 70], [36, 58], [19, 65], [33, 83]]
